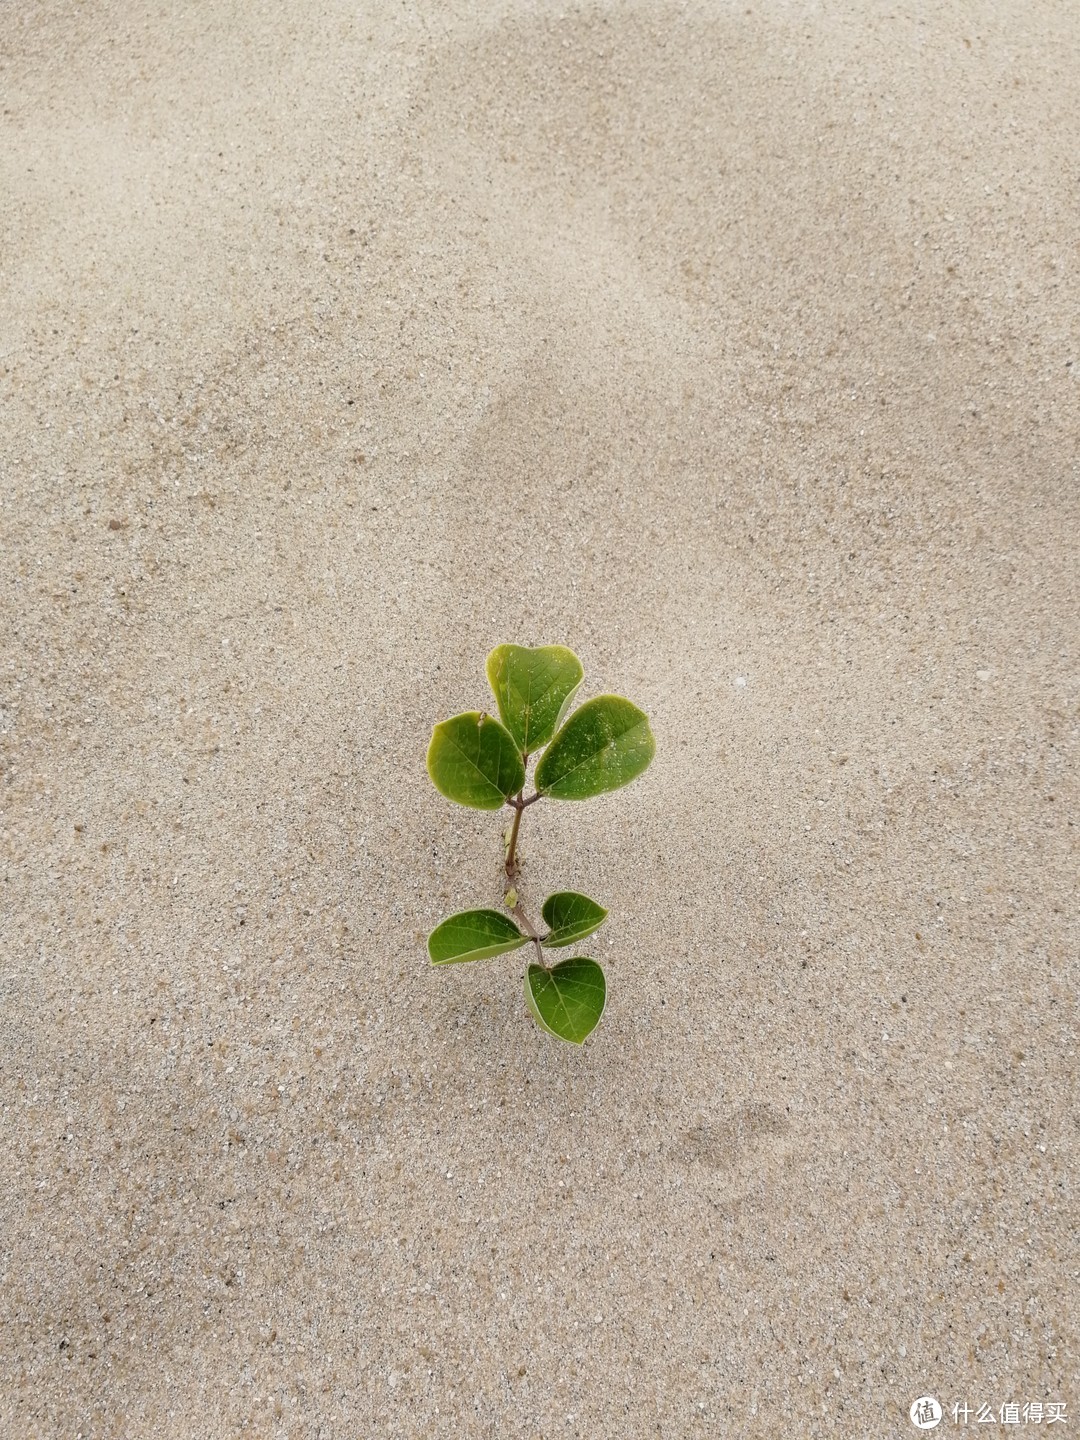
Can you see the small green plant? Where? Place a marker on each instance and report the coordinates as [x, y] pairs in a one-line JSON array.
[[482, 762]]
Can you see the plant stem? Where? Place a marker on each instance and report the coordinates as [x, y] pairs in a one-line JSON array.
[[530, 930], [511, 849], [519, 803], [526, 924]]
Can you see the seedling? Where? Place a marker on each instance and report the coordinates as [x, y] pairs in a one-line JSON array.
[[483, 762]]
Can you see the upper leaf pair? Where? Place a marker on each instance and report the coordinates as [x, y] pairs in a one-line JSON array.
[[481, 934], [478, 761]]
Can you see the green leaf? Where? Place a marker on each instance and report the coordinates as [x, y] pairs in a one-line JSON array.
[[605, 744], [570, 917], [533, 689], [567, 1000], [472, 759], [473, 935]]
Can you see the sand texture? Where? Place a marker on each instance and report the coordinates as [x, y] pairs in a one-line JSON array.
[[736, 346]]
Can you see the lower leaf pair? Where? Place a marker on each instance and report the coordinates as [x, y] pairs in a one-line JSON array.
[[567, 999]]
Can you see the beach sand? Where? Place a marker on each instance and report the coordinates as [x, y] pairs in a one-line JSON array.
[[736, 347]]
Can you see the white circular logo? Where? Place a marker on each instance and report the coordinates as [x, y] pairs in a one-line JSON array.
[[925, 1413]]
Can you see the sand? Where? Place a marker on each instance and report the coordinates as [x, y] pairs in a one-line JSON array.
[[734, 346]]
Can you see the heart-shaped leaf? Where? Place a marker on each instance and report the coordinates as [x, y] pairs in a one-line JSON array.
[[567, 1000], [605, 744], [474, 760], [570, 917], [533, 689], [473, 935]]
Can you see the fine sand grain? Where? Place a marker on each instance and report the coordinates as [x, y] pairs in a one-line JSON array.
[[736, 346]]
